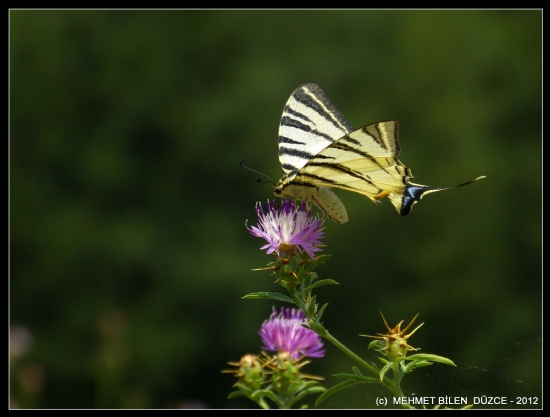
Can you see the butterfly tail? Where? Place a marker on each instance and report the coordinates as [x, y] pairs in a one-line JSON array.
[[413, 193]]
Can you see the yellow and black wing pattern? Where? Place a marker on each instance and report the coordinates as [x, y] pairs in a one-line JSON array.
[[318, 149]]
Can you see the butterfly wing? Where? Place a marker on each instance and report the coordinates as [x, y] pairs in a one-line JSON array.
[[318, 148], [308, 125], [363, 161]]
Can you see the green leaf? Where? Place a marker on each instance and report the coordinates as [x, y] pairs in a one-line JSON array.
[[431, 358], [269, 394], [356, 371], [377, 344], [245, 390], [295, 386], [384, 361], [271, 295], [310, 307], [309, 391], [321, 311], [358, 378], [300, 275], [301, 384], [312, 276], [309, 278], [320, 284], [415, 364], [399, 359], [385, 369], [333, 390], [235, 394], [317, 261]]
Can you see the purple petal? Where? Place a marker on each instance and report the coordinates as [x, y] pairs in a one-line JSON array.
[[288, 225], [283, 332]]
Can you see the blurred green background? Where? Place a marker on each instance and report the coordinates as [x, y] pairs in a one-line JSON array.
[[128, 250]]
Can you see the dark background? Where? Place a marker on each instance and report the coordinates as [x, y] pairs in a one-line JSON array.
[[128, 250]]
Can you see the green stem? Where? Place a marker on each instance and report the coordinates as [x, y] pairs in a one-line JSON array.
[[324, 333], [263, 404], [397, 377], [393, 385], [321, 331], [296, 298], [364, 364]]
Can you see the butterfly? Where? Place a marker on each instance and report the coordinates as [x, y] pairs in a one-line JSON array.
[[318, 149]]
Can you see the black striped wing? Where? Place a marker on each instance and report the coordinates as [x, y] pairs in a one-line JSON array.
[[318, 149], [363, 161], [309, 124]]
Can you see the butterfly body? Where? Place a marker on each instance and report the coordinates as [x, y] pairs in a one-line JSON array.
[[318, 148]]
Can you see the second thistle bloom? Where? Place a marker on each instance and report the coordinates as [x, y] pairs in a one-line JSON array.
[[283, 332], [288, 226]]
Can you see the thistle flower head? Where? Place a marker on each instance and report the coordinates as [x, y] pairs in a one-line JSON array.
[[250, 371], [396, 345], [288, 227], [284, 333]]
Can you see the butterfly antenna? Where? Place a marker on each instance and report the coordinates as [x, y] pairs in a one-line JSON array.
[[257, 172]]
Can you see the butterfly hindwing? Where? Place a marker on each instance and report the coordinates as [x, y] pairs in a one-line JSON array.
[[322, 197], [363, 161]]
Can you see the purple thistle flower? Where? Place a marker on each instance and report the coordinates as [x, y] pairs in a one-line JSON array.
[[288, 225], [283, 332]]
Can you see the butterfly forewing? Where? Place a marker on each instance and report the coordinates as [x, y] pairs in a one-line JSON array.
[[309, 124]]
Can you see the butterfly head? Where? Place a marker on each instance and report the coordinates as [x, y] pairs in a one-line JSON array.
[[284, 187], [278, 191]]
